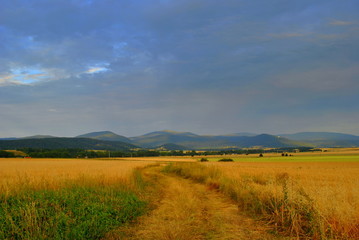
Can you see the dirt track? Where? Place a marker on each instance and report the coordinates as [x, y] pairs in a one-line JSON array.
[[189, 211]]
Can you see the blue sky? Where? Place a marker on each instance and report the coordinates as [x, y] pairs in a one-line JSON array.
[[69, 67]]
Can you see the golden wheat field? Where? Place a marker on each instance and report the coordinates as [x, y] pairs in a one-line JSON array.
[[17, 174], [329, 189]]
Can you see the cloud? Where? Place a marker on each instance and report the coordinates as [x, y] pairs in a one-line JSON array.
[[22, 77], [286, 35], [125, 64], [327, 80], [93, 70], [341, 23], [31, 75]]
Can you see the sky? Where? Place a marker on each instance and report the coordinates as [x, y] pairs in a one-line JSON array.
[[69, 67]]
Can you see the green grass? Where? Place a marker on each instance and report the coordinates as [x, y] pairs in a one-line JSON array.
[[322, 158], [75, 212]]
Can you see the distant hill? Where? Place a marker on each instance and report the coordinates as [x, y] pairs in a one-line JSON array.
[[171, 147], [242, 134], [325, 139], [105, 136], [38, 137], [10, 138], [267, 140], [172, 140], [193, 141], [159, 138], [61, 143]]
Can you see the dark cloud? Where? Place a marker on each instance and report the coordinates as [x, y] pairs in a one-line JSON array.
[[68, 67]]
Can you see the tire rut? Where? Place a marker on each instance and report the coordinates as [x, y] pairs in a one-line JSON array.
[[191, 210]]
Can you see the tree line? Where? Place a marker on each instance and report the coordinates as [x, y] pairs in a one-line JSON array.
[[81, 153]]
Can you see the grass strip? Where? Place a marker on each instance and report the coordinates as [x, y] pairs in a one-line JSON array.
[[76, 212]]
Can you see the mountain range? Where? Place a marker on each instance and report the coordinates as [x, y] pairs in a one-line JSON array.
[[172, 140], [62, 143]]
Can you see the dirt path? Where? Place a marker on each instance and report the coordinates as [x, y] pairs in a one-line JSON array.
[[189, 211]]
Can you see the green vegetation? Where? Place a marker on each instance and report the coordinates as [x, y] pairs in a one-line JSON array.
[[71, 213], [302, 158], [5, 154], [80, 153], [225, 160], [82, 210]]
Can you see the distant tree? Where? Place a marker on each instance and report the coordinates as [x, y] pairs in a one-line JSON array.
[[260, 155], [5, 154]]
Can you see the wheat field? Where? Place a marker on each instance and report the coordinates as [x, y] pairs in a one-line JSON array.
[[17, 174], [305, 200], [68, 198], [330, 189]]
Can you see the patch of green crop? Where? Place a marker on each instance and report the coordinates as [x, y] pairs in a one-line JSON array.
[[323, 158], [71, 213]]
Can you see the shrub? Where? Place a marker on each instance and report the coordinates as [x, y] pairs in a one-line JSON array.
[[226, 160]]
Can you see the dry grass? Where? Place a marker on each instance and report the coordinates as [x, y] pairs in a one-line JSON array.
[[68, 198], [188, 210], [330, 189], [304, 200], [18, 174], [158, 159]]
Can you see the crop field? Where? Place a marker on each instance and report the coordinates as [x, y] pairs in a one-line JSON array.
[[301, 197], [54, 173], [324, 194], [67, 199], [294, 158], [315, 197]]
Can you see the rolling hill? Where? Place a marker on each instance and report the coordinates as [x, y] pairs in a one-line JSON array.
[[173, 140], [325, 139], [193, 141], [105, 136], [62, 143], [38, 137], [171, 147]]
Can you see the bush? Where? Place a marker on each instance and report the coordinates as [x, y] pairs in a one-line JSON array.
[[203, 160], [5, 154], [225, 160]]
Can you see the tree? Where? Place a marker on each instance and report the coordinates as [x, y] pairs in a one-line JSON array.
[[5, 154]]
